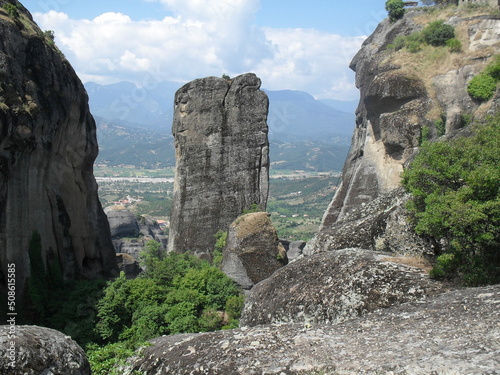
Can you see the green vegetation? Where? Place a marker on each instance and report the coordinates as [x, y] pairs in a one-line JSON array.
[[177, 293], [11, 10], [483, 86], [395, 9], [435, 34], [220, 244], [456, 202]]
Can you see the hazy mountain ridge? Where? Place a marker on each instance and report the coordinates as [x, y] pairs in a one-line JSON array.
[[134, 127]]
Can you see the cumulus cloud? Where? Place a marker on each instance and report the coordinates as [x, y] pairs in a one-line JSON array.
[[205, 38]]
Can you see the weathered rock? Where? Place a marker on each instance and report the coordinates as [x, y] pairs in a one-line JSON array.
[[398, 99], [222, 164], [129, 265], [253, 251], [150, 228], [122, 222], [47, 149], [453, 333], [295, 250], [335, 286], [40, 350]]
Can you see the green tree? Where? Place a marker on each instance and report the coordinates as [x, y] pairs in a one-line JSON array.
[[395, 9], [456, 201]]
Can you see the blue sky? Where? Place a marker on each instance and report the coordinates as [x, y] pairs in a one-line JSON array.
[[289, 44]]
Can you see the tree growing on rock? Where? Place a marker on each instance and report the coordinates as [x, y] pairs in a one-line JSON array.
[[396, 9]]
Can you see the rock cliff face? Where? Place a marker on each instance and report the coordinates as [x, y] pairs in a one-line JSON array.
[[401, 93], [222, 163], [47, 149]]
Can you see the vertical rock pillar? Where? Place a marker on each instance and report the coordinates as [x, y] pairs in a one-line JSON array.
[[222, 158]]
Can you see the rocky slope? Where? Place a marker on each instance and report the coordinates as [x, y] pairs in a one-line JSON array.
[[47, 149], [222, 158], [402, 93], [453, 333]]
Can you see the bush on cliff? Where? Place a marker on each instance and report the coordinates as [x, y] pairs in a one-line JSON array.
[[483, 86], [395, 9], [456, 201]]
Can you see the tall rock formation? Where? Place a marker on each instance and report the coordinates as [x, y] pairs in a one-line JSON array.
[[47, 149], [222, 163], [402, 93]]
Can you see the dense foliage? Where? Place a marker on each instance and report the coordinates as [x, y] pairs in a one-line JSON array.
[[395, 9], [456, 201], [177, 293], [483, 86]]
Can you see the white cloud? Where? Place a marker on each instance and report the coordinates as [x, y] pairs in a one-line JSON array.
[[205, 38]]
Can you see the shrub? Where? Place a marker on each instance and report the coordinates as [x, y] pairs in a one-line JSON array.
[[482, 87], [455, 187], [395, 9], [454, 45], [437, 33], [493, 70]]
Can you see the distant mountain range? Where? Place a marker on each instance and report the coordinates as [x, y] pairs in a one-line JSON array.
[[134, 126]]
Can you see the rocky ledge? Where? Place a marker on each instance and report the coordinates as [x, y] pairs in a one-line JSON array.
[[454, 333]]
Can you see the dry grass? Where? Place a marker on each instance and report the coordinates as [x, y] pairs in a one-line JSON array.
[[432, 61], [417, 262]]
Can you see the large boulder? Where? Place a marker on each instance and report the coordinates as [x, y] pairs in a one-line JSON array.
[[453, 333], [48, 146], [33, 350], [253, 251], [335, 286], [222, 162]]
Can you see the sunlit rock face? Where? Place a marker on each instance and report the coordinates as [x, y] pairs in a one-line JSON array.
[[222, 162], [47, 149], [400, 99]]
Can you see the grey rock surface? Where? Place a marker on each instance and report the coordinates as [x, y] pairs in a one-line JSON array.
[[449, 334], [122, 222], [47, 148], [335, 286], [253, 251], [222, 163], [33, 350], [295, 250], [129, 265]]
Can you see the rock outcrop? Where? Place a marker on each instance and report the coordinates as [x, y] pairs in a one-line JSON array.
[[253, 251], [32, 350], [47, 149], [400, 94], [453, 333], [122, 222], [222, 164], [335, 286]]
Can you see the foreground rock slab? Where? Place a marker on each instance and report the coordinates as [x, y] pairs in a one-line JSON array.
[[335, 286], [454, 333], [32, 350]]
